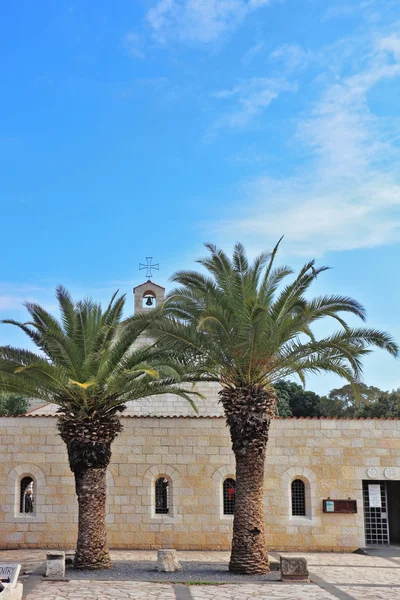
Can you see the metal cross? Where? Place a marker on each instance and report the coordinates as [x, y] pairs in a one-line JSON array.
[[149, 266]]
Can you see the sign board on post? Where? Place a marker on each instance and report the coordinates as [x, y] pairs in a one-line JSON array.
[[374, 495], [9, 574]]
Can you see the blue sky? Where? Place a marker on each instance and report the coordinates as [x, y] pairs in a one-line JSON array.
[[133, 129]]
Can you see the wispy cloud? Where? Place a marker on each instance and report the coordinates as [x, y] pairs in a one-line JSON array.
[[292, 57], [134, 45], [346, 10], [348, 194], [248, 99], [13, 296], [252, 52], [198, 21]]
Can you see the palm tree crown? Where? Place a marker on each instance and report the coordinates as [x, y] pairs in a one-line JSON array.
[[253, 332], [89, 363]]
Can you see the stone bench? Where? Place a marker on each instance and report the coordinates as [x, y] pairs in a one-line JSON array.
[[294, 568]]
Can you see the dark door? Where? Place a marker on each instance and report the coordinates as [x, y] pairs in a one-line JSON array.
[[393, 498]]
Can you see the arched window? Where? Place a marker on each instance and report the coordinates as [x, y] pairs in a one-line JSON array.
[[229, 486], [162, 496], [298, 498], [26, 495]]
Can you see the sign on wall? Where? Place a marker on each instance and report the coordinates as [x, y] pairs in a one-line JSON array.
[[339, 506], [374, 495]]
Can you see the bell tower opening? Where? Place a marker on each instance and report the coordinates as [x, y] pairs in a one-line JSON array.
[[149, 299]]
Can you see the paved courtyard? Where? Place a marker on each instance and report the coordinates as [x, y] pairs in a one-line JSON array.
[[333, 577]]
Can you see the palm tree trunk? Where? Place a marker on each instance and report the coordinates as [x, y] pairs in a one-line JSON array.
[[249, 552], [248, 411], [88, 443], [92, 549]]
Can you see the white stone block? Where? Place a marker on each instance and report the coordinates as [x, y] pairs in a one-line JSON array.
[[55, 564], [167, 561]]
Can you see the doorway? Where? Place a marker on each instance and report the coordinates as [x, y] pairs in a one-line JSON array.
[[375, 513], [381, 512], [393, 500]]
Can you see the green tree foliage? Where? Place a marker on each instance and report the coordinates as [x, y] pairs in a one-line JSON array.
[[387, 405], [295, 401], [372, 402], [283, 394], [12, 405]]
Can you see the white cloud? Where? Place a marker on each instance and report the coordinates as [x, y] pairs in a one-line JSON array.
[[13, 295], [249, 99], [7, 302], [391, 44], [133, 44], [252, 52], [198, 21], [348, 194], [292, 57]]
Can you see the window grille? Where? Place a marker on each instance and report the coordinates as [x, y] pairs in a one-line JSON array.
[[229, 496], [162, 496], [298, 498], [26, 498]]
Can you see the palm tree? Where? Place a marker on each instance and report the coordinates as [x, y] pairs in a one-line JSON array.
[[88, 364], [251, 332]]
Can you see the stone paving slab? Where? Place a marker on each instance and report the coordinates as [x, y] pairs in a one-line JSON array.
[[340, 559], [104, 590], [344, 575], [372, 593], [278, 591]]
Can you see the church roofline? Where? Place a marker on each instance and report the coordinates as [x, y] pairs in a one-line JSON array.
[[147, 283], [195, 416]]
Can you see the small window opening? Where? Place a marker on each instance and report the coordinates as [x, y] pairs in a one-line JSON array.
[[162, 496], [298, 498], [26, 497], [229, 496]]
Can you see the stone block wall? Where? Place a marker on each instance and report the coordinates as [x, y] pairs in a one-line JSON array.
[[194, 454]]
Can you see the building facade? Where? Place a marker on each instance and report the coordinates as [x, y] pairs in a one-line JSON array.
[[171, 481]]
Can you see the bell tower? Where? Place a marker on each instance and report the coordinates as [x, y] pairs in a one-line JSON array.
[[148, 295]]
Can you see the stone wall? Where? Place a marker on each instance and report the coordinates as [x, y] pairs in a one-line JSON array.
[[331, 456]]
